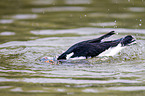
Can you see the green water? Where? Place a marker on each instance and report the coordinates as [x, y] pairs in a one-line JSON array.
[[32, 29]]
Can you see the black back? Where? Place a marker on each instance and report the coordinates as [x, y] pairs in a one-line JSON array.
[[94, 47]]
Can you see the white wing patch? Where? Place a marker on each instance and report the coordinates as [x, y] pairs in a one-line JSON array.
[[69, 55], [112, 51], [75, 58]]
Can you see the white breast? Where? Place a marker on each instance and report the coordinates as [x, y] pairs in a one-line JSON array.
[[112, 51]]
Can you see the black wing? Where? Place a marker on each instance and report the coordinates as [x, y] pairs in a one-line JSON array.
[[80, 48], [93, 49], [97, 40]]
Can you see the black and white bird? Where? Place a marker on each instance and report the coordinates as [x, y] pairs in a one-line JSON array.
[[96, 47]]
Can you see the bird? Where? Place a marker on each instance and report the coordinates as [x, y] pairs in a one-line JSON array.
[[96, 47]]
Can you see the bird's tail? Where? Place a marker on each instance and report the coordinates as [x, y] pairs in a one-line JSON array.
[[107, 35]]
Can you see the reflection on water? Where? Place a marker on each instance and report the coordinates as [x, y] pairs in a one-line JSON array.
[[46, 2], [78, 1], [104, 24], [42, 2], [123, 72], [57, 9], [32, 29], [3, 21], [89, 31], [134, 88], [137, 9], [25, 16], [7, 33]]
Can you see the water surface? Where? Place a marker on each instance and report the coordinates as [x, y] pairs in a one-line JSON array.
[[37, 28]]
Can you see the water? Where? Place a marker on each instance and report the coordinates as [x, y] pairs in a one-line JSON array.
[[37, 28]]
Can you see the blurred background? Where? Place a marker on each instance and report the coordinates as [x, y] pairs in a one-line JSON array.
[[32, 29], [19, 17]]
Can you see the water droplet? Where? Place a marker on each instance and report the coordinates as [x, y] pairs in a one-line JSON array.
[[140, 20], [115, 26]]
